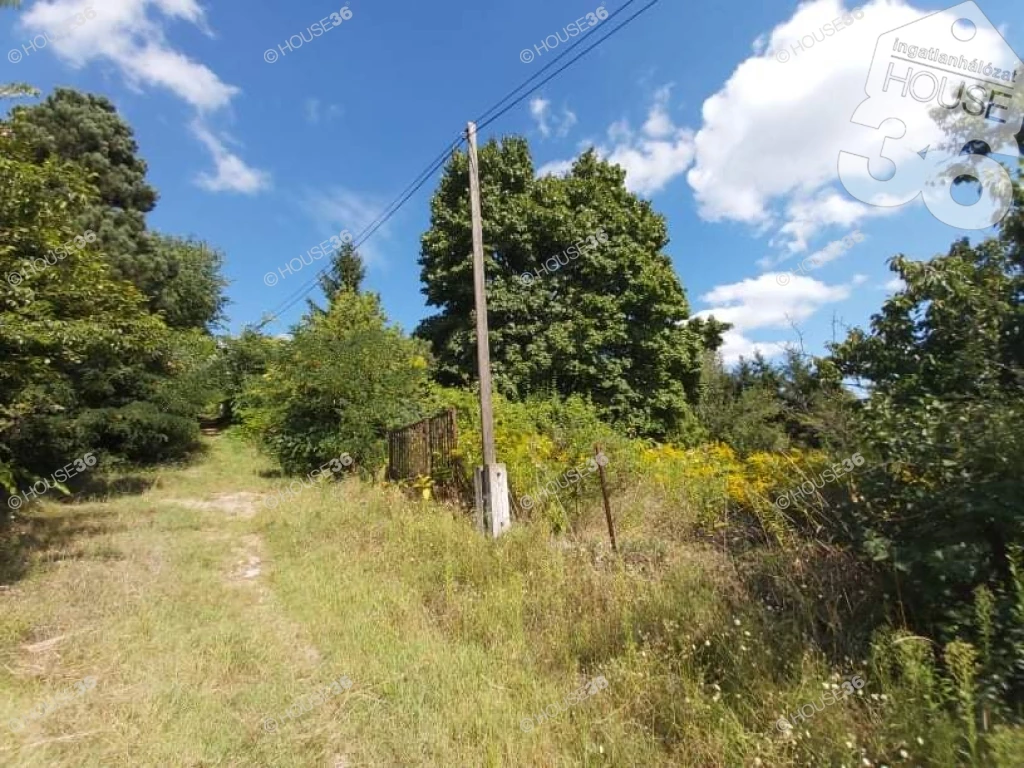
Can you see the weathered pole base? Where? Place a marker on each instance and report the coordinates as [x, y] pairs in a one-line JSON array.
[[492, 505]]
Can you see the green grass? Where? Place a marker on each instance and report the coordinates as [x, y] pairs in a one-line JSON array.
[[450, 641]]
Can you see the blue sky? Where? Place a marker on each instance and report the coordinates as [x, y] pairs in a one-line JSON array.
[[737, 148]]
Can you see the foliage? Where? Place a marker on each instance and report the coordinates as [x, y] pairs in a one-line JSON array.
[[178, 277], [238, 358], [345, 273], [547, 445], [72, 337], [88, 362], [336, 387], [191, 293], [761, 406], [605, 318], [942, 428]]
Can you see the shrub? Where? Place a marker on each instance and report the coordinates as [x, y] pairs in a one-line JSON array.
[[139, 433], [336, 388]]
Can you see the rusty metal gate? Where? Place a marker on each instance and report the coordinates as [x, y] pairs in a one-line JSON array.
[[428, 448]]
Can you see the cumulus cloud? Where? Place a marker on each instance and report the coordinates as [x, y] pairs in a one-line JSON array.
[[771, 300], [653, 156], [130, 34], [767, 150]]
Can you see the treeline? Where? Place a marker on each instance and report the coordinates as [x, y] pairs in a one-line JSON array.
[[105, 325]]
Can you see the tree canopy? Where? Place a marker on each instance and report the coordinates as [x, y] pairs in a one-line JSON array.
[[582, 298]]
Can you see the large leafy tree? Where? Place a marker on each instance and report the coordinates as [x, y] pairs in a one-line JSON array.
[[87, 130], [74, 340], [191, 295], [179, 278], [608, 321]]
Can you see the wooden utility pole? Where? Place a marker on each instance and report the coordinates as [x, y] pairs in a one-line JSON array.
[[601, 461], [491, 480]]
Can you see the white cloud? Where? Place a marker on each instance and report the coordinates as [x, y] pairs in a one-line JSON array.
[[767, 151], [652, 157], [895, 285], [232, 174], [555, 168], [735, 345], [771, 300], [540, 110], [130, 34]]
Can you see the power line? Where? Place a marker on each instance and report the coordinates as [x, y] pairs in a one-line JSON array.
[[545, 68], [573, 60], [393, 208], [303, 290]]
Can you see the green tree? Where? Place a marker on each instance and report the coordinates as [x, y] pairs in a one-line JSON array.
[[192, 292], [336, 387], [345, 273], [179, 278], [73, 338], [582, 298]]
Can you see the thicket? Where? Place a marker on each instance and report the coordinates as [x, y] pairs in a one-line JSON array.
[[105, 326]]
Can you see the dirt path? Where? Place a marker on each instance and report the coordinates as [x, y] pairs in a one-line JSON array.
[[144, 633]]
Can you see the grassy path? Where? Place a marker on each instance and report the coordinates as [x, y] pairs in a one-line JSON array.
[[161, 598], [347, 626]]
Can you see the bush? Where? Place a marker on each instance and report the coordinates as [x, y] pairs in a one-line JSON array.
[[336, 388], [139, 433], [547, 445]]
